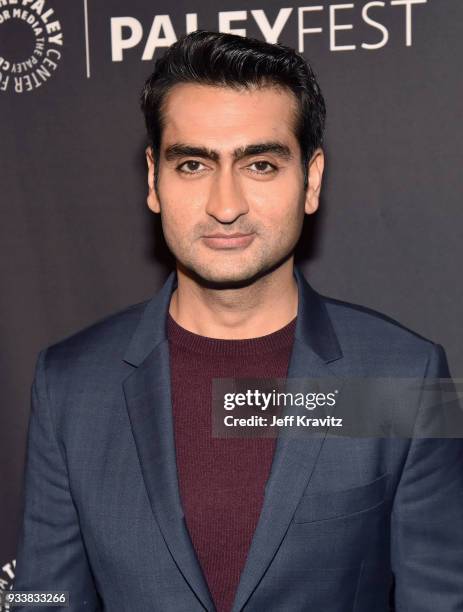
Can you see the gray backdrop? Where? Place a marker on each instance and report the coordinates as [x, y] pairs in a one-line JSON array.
[[78, 241]]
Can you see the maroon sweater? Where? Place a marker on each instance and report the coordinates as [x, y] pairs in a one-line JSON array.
[[221, 481]]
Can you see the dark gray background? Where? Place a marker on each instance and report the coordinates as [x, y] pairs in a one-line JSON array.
[[78, 241]]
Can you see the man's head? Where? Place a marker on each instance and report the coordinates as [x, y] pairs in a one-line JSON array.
[[235, 128]]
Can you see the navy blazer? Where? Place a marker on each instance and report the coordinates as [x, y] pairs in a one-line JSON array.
[[347, 525]]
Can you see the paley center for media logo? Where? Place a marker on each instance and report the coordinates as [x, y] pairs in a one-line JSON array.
[[35, 24], [36, 39], [7, 571]]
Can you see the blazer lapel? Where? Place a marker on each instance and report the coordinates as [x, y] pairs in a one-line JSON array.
[[148, 398], [315, 346]]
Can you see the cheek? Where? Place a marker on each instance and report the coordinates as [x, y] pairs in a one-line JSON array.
[[179, 214], [277, 203], [181, 202]]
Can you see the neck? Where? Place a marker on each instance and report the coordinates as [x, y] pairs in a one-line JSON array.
[[258, 309]]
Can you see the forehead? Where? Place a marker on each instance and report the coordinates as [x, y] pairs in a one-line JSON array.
[[222, 117]]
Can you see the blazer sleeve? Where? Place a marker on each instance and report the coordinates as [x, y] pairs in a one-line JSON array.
[[51, 555], [427, 517]]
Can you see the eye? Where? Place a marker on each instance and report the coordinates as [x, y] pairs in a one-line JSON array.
[[261, 167], [189, 167]]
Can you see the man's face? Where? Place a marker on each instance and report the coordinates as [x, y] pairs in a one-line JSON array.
[[230, 164]]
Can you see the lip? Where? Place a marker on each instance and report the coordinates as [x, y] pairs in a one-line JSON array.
[[228, 241]]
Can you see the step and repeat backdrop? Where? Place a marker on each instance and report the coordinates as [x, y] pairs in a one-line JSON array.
[[78, 241]]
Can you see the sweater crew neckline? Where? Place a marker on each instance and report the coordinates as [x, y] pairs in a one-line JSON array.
[[197, 343]]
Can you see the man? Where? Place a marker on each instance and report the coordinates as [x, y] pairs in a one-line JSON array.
[[130, 502]]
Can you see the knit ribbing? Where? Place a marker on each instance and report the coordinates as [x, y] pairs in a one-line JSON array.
[[215, 346]]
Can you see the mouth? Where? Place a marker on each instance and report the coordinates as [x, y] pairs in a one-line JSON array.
[[228, 241]]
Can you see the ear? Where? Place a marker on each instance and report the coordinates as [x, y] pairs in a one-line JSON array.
[[315, 173], [152, 198]]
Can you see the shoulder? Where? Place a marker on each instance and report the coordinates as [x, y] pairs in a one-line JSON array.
[[376, 340], [98, 344], [361, 319]]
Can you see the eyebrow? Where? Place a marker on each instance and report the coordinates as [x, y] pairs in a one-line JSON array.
[[178, 150]]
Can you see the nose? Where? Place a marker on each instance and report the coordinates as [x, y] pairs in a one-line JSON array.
[[226, 200]]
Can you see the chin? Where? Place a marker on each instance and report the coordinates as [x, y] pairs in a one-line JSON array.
[[226, 276]]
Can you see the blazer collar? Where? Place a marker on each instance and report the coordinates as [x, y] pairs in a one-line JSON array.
[[313, 325]]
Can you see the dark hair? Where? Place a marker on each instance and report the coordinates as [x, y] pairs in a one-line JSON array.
[[220, 59]]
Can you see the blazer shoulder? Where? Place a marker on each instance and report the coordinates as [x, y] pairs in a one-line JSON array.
[[104, 338], [373, 320], [373, 335]]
